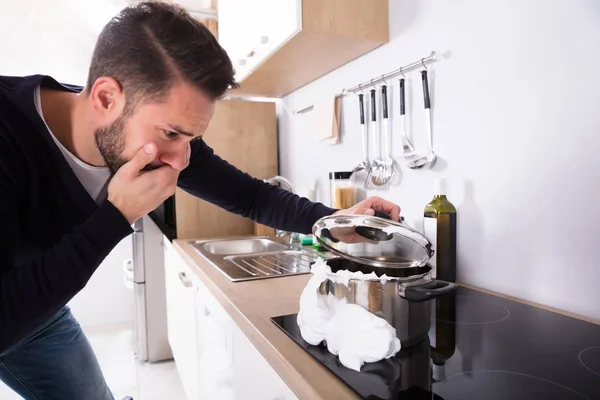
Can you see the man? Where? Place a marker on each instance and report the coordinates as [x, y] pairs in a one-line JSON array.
[[79, 165]]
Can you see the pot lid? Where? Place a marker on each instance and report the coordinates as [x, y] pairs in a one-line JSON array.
[[376, 241]]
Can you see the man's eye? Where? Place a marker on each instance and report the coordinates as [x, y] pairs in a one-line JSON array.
[[170, 134]]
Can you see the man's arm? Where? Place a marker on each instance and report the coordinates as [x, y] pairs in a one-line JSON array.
[[32, 291], [215, 180]]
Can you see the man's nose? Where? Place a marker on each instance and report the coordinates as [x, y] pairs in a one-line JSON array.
[[179, 157]]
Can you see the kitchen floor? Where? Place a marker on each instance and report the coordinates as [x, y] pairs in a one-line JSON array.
[[124, 374]]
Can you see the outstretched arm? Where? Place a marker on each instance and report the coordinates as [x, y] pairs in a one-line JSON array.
[[213, 179]]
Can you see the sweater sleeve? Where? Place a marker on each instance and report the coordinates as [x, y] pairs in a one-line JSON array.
[[213, 179], [33, 290]]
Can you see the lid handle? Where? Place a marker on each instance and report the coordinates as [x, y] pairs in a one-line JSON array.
[[383, 214]]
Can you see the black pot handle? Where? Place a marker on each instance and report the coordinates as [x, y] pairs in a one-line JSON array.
[[383, 214], [428, 291]]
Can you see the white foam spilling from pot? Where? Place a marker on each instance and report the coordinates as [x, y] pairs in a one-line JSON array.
[[351, 332]]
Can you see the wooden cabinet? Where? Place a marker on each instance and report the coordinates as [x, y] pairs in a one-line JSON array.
[[214, 358], [245, 134], [278, 46]]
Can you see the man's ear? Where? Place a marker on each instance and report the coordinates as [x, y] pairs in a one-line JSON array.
[[107, 98]]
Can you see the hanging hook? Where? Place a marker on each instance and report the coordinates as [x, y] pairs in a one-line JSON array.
[[383, 80], [360, 88], [373, 86], [424, 66], [402, 73]]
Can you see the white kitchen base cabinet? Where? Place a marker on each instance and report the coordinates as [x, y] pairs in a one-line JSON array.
[[180, 285], [255, 379], [214, 358]]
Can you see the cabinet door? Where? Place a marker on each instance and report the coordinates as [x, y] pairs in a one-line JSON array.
[[250, 31], [255, 378], [181, 321], [215, 348], [284, 21], [237, 29]]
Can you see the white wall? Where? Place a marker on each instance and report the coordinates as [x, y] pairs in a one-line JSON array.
[[56, 41], [516, 109]]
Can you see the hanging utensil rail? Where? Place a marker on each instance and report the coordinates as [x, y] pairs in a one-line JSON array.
[[422, 62], [401, 70]]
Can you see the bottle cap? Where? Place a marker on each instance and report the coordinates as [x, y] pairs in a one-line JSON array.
[[439, 186], [340, 175]]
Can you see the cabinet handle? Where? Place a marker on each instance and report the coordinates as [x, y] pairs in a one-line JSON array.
[[184, 279], [263, 40]]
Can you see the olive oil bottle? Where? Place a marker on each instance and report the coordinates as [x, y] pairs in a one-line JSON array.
[[439, 227]]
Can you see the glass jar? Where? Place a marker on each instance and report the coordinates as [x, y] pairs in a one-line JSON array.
[[342, 192]]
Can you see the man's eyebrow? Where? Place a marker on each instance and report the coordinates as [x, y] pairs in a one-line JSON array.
[[180, 131]]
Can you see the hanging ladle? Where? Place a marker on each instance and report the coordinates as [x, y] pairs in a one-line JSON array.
[[430, 158], [365, 164]]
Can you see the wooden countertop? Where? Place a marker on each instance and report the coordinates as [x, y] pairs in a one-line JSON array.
[[251, 304]]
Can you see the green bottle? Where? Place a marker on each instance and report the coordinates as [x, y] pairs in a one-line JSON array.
[[439, 227]]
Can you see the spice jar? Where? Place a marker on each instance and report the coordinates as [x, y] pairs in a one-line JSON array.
[[342, 192]]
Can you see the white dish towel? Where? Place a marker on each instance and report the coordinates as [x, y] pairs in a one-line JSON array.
[[351, 332]]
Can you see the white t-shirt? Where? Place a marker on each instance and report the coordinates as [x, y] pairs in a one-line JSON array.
[[92, 178]]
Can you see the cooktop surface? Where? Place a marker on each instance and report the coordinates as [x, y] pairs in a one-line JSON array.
[[480, 346]]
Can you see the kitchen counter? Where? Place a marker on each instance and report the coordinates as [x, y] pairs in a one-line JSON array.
[[251, 304]]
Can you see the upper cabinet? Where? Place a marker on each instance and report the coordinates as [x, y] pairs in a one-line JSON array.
[[278, 46]]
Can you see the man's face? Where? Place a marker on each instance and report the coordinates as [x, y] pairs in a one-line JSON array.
[[171, 125]]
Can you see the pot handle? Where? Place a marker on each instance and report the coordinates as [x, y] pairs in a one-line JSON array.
[[428, 291]]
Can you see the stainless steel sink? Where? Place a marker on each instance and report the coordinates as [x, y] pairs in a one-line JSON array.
[[242, 246], [249, 258]]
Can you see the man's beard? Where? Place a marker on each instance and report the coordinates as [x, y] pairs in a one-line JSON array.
[[111, 143]]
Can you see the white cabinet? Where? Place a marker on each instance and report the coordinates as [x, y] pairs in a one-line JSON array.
[[215, 348], [214, 358], [181, 318], [255, 379], [199, 331], [250, 31]]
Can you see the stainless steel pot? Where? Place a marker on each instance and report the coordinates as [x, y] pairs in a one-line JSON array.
[[401, 301]]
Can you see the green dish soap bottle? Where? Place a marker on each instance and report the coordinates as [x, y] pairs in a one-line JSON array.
[[439, 227]]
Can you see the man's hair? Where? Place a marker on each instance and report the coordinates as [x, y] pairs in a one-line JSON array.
[[149, 46]]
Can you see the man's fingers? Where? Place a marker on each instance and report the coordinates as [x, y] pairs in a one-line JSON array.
[[164, 177], [377, 203], [143, 157]]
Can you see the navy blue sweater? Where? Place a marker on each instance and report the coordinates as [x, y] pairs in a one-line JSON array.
[[53, 235]]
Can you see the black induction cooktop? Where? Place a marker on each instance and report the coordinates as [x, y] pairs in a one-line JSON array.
[[480, 347]]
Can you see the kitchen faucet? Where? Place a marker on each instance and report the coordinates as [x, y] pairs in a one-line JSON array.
[[287, 185]]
